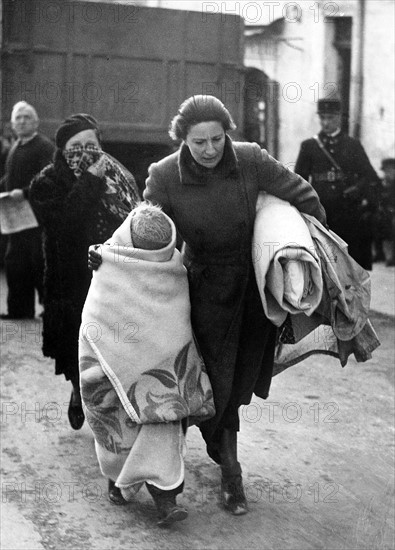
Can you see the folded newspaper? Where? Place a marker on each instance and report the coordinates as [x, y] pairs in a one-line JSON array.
[[15, 215]]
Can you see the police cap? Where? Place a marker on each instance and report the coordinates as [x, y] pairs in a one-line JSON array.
[[330, 106]]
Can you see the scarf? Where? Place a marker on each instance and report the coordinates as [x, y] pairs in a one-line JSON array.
[[79, 158], [121, 194]]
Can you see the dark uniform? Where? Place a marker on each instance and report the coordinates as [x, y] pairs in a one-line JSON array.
[[348, 195], [385, 217]]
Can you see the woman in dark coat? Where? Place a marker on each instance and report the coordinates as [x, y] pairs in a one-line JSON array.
[[79, 200], [209, 188]]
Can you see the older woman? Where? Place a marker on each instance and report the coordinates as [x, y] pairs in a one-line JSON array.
[[79, 199], [209, 187]]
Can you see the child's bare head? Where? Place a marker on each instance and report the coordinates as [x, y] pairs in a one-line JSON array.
[[149, 227]]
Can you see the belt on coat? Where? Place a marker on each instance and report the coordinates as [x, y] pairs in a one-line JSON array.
[[330, 176]]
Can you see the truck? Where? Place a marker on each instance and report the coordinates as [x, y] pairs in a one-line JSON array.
[[127, 65]]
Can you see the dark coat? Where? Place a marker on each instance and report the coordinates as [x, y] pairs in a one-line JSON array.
[[73, 217], [214, 212], [24, 259], [349, 199], [24, 161]]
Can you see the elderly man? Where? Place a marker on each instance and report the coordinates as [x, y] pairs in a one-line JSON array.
[[339, 170], [23, 260]]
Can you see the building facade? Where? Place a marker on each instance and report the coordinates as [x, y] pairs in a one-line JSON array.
[[298, 52], [322, 49]]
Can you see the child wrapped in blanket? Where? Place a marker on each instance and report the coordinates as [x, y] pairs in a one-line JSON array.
[[142, 377]]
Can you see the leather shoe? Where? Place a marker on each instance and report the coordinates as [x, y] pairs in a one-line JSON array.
[[170, 514], [232, 492], [232, 495], [114, 494], [75, 414], [165, 501]]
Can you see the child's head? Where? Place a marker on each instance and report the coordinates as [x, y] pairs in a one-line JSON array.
[[149, 227]]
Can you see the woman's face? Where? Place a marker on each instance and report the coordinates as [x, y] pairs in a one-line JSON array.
[[81, 151], [206, 142], [84, 139]]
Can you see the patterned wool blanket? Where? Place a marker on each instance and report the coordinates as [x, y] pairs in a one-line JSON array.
[[136, 343]]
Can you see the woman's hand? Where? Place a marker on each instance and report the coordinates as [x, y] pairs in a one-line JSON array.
[[99, 167], [94, 257]]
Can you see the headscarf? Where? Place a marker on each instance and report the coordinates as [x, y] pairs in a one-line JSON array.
[[73, 125]]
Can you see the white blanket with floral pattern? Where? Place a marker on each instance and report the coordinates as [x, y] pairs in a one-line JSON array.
[[136, 333]]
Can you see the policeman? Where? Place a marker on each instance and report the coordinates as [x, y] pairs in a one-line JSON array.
[[387, 199], [340, 171]]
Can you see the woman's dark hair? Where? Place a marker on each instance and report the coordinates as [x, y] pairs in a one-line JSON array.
[[196, 109]]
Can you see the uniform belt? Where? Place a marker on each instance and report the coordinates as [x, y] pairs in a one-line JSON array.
[[329, 176]]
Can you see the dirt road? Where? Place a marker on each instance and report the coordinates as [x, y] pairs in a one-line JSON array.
[[318, 461]]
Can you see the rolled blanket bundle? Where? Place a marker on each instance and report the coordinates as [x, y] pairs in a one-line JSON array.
[[287, 267], [339, 325], [297, 283]]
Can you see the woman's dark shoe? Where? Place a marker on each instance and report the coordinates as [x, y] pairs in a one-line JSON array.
[[75, 414], [232, 495], [232, 492], [170, 513], [114, 494], [169, 510]]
